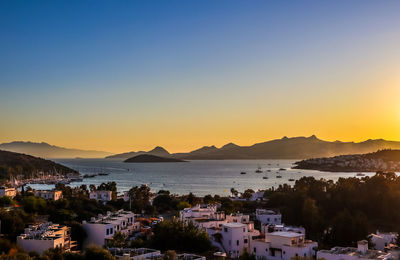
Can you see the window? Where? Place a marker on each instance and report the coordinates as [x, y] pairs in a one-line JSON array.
[[305, 254], [111, 230], [284, 252], [297, 254], [266, 249], [237, 242], [107, 231], [244, 229], [225, 230], [245, 240], [255, 250]]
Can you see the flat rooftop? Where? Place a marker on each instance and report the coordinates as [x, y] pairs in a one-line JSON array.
[[352, 251], [234, 225], [285, 234]]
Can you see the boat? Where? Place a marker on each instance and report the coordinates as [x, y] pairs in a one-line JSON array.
[[259, 170], [268, 170], [291, 179], [103, 174], [278, 176], [76, 179], [282, 169], [265, 177], [360, 174], [89, 175], [243, 173]]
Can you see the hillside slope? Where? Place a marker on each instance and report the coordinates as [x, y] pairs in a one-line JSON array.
[[14, 164]]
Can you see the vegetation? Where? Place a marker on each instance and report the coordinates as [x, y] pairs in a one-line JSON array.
[[175, 235], [343, 212]]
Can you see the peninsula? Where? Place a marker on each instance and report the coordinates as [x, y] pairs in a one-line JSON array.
[[383, 160]]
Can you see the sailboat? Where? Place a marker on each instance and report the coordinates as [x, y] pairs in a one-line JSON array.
[[259, 170]]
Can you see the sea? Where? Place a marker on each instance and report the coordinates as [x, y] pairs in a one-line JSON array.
[[201, 177]]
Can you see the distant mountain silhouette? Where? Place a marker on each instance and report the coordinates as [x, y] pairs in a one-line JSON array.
[[17, 164], [46, 150], [149, 158], [158, 151], [288, 148]]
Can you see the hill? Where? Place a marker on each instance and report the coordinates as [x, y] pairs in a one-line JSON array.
[[148, 158], [46, 150], [16, 164], [158, 151], [383, 160], [288, 148]]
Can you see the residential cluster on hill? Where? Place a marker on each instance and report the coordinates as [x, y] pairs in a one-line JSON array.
[[384, 160]]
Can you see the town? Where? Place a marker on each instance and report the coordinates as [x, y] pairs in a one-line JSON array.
[[99, 223]]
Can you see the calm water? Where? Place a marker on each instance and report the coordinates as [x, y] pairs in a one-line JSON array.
[[201, 177]]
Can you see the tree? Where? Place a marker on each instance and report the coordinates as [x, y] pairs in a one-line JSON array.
[[208, 199], [183, 205], [97, 253], [119, 240], [140, 198], [234, 192], [170, 255], [247, 194], [176, 235]]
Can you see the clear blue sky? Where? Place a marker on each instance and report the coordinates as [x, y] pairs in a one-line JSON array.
[[116, 75]]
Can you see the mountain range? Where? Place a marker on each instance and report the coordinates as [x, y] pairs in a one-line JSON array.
[[46, 150], [284, 148]]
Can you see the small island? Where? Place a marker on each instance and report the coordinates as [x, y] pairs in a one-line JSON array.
[[383, 160], [149, 158]]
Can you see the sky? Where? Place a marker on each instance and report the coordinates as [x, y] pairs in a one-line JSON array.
[[129, 75]]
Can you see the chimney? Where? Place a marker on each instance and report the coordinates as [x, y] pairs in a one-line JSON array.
[[362, 246]]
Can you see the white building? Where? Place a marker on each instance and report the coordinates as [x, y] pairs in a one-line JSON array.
[[198, 211], [383, 240], [257, 196], [135, 253], [10, 192], [101, 195], [40, 238], [103, 228], [351, 253], [233, 238], [49, 194], [267, 216], [283, 246], [269, 228]]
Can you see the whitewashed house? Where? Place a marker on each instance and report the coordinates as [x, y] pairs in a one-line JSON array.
[[101, 195], [382, 240], [10, 192], [269, 228], [283, 246], [40, 238], [198, 211], [49, 194], [233, 238], [103, 228], [267, 216], [351, 253], [257, 196]]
